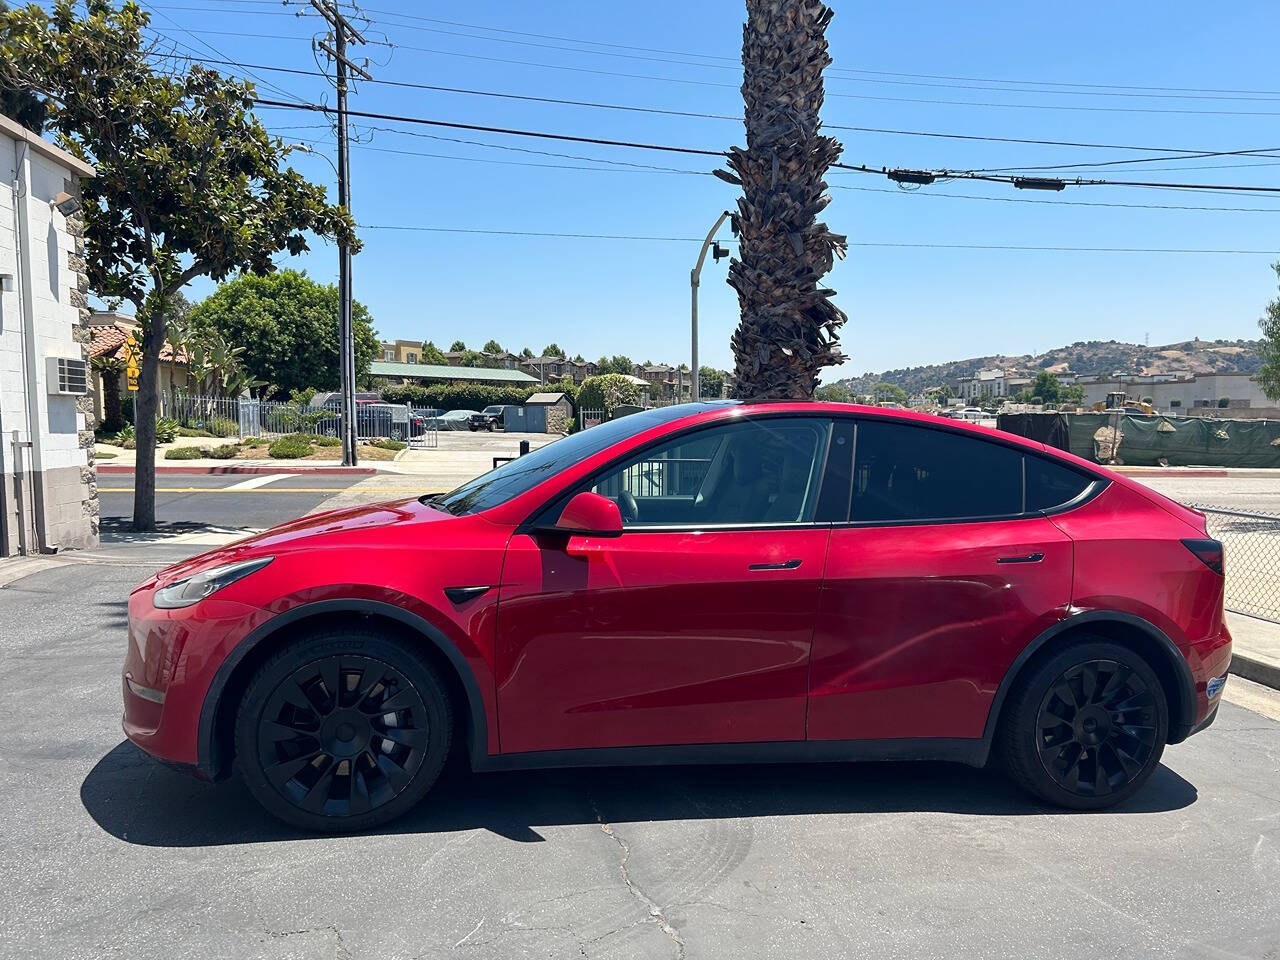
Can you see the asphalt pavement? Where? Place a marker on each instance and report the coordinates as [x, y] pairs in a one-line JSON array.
[[105, 854], [223, 500]]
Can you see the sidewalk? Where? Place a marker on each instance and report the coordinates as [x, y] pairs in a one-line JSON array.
[[1256, 649]]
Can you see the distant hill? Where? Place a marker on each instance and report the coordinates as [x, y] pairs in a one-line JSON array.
[[1086, 356]]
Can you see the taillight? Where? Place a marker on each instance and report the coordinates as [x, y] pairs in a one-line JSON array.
[[1209, 552]]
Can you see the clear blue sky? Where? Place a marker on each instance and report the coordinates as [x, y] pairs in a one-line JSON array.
[[906, 306]]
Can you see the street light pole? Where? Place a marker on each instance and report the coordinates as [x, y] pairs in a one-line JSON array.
[[694, 277]]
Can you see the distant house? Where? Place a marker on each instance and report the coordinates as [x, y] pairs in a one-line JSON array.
[[545, 368], [108, 333], [992, 384], [401, 351], [442, 373]]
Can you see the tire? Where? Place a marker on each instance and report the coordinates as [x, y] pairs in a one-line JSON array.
[[1085, 728], [328, 765]]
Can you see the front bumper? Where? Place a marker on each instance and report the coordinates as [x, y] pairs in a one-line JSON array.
[[169, 665]]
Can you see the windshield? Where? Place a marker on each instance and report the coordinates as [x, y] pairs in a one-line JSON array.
[[523, 474]]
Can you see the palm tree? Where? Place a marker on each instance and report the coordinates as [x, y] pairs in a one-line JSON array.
[[788, 331]]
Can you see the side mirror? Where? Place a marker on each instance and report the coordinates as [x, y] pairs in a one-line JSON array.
[[590, 514]]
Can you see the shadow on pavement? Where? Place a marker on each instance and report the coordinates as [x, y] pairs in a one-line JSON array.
[[136, 799]]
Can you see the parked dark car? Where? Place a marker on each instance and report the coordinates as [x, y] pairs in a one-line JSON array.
[[488, 418]]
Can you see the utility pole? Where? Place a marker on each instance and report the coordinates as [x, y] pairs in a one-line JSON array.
[[342, 32], [695, 276]]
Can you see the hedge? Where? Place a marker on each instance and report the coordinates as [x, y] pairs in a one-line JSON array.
[[471, 396], [290, 447], [183, 453]]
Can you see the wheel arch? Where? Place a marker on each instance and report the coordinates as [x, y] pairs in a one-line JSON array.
[[215, 737], [1124, 628]]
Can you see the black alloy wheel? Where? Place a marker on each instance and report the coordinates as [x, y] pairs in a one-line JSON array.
[[1084, 727], [1097, 728], [342, 731]]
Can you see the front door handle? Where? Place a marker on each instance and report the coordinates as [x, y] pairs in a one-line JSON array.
[[1029, 558], [784, 565]]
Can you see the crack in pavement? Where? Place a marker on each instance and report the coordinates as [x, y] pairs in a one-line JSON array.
[[340, 951], [655, 911]]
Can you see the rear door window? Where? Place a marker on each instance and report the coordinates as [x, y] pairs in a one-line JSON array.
[[904, 473]]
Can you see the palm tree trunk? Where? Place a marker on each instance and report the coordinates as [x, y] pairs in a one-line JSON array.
[[788, 331]]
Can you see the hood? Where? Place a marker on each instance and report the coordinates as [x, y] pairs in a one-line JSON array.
[[286, 536]]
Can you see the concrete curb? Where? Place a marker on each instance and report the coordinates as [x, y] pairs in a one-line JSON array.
[[1265, 672], [286, 466]]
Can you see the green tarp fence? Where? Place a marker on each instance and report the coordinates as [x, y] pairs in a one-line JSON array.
[[1178, 441]]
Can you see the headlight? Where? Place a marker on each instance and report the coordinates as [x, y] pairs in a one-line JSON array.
[[194, 589]]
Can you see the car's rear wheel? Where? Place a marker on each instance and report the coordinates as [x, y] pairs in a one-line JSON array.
[[343, 730], [1085, 728]]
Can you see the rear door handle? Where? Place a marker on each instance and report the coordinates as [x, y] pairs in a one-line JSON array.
[[1029, 558], [784, 565]]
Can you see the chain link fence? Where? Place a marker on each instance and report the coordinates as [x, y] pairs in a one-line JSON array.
[[1251, 546]]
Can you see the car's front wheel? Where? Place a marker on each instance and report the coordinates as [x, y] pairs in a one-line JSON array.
[[1086, 727], [342, 730]]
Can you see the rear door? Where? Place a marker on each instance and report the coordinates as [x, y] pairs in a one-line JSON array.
[[694, 626], [939, 579]]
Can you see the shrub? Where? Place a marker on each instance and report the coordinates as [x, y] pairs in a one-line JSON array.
[[1223, 403], [166, 430], [321, 440], [252, 442], [184, 453], [105, 454], [606, 391], [226, 451], [386, 443], [192, 432], [222, 427], [290, 447]]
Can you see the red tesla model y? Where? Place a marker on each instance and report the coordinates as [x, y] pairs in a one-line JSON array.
[[696, 584]]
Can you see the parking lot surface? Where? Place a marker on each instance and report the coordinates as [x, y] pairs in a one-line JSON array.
[[104, 853]]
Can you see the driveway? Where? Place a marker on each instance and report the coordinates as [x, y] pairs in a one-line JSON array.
[[104, 853]]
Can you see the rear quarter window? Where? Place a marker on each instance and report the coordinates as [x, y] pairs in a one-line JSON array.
[[1050, 484]]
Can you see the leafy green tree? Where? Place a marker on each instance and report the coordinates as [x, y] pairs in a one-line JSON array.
[[710, 382], [1269, 348], [1046, 387], [188, 182], [616, 364], [457, 346], [606, 391], [553, 350], [835, 393], [1071, 394], [885, 392], [473, 358], [493, 346], [18, 103], [288, 324], [433, 354], [944, 394], [526, 354]]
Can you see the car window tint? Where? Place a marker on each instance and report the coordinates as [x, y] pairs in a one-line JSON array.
[[756, 471], [1052, 484], [914, 473]]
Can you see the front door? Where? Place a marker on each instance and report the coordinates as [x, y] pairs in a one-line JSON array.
[[695, 625]]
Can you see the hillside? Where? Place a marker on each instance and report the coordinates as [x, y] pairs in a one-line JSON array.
[[1091, 356]]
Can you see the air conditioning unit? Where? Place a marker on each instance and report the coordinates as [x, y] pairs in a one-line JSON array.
[[67, 376]]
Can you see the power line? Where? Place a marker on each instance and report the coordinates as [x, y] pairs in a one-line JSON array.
[[1053, 203], [737, 119], [861, 168], [868, 243]]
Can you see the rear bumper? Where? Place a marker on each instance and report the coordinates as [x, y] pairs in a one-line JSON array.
[[1208, 660]]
